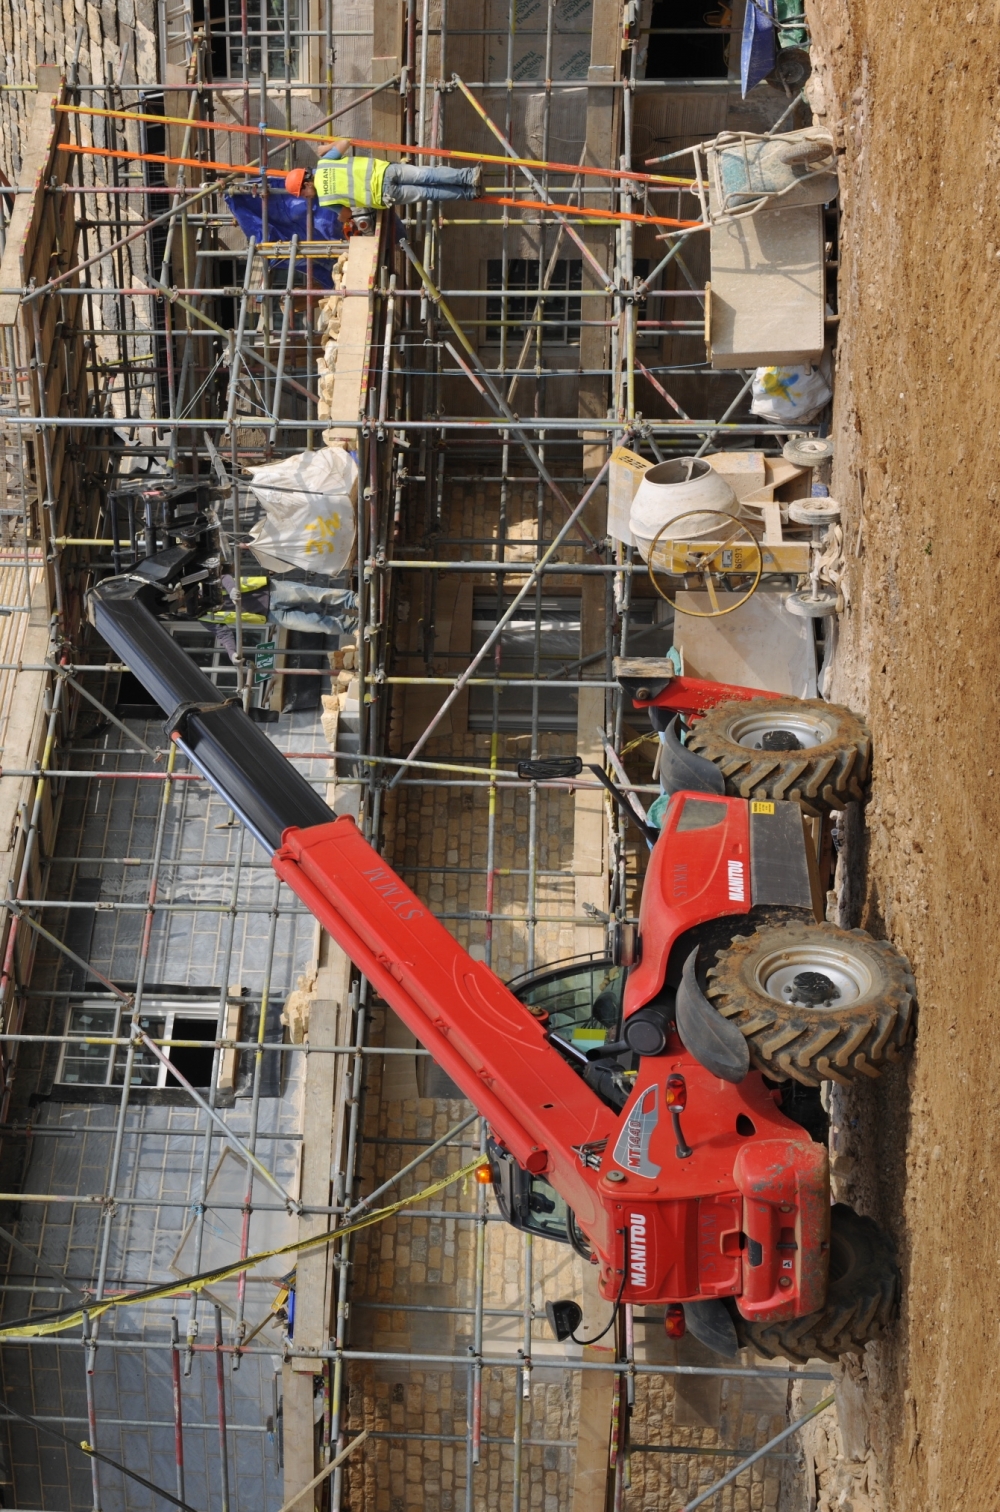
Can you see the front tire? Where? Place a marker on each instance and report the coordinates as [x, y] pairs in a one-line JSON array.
[[814, 753], [861, 1300], [815, 1002]]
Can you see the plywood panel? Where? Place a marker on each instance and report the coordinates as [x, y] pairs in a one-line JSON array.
[[768, 284], [759, 645]]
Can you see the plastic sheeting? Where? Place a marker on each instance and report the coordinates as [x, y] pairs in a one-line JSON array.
[[309, 511], [287, 216]]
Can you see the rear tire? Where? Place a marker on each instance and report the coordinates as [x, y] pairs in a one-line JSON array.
[[759, 982], [827, 771], [861, 1300]]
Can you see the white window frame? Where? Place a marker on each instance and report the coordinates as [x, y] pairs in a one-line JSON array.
[[168, 1009]]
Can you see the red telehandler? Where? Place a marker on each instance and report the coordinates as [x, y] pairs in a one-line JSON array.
[[674, 1149]]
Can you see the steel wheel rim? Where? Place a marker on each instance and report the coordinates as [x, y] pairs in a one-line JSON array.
[[810, 729], [851, 975]]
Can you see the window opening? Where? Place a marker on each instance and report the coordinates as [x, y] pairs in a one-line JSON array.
[[583, 1001], [97, 1065], [558, 633], [645, 336], [193, 1064], [560, 313], [703, 53]]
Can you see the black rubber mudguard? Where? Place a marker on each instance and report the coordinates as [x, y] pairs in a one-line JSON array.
[[681, 771], [710, 1323], [714, 1042]]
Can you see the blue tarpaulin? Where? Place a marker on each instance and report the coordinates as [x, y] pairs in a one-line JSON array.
[[287, 216], [757, 53]]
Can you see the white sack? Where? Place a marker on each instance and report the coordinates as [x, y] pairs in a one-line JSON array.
[[309, 502], [789, 393]]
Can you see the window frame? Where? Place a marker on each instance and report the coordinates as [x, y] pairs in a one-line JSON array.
[[561, 615], [225, 32], [571, 329], [167, 1009]]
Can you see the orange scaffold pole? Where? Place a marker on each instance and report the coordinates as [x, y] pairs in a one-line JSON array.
[[279, 173], [326, 140]]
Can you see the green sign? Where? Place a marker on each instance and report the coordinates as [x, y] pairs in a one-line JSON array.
[[264, 656]]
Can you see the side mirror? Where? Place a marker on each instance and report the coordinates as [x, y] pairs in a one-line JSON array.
[[624, 944], [564, 1318]]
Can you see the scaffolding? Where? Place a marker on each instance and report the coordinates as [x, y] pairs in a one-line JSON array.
[[488, 360]]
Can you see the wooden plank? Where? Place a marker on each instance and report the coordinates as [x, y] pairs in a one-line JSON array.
[[315, 1275], [351, 376], [589, 823], [299, 1430], [590, 1476], [387, 48], [601, 135], [24, 736], [35, 168]]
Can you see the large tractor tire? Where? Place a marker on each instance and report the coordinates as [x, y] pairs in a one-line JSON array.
[[814, 753], [861, 1299], [816, 1003]]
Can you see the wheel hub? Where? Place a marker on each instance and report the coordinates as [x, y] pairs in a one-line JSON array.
[[780, 740], [816, 974], [780, 730], [812, 989]]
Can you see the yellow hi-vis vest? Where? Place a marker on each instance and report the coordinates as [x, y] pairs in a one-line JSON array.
[[228, 616], [354, 181]]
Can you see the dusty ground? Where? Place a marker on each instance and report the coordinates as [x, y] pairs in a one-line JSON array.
[[917, 93]]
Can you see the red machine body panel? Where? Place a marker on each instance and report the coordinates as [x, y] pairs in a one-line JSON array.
[[693, 695], [693, 875], [746, 1214]]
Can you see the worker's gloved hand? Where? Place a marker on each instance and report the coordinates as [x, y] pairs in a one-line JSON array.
[[357, 223]]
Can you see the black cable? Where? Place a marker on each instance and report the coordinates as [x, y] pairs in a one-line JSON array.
[[92, 1453], [649, 831], [618, 1300]]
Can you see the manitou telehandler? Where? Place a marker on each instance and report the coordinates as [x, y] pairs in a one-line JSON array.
[[640, 1105]]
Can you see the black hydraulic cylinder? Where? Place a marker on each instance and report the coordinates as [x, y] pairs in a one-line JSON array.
[[246, 768]]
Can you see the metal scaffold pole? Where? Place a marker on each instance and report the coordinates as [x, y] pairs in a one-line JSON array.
[[166, 1000]]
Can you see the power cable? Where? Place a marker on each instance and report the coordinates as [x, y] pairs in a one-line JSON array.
[[618, 1299]]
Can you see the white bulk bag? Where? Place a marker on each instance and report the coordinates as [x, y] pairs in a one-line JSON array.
[[309, 502], [789, 393]]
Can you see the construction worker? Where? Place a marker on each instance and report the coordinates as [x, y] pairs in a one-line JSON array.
[[295, 606], [370, 184]]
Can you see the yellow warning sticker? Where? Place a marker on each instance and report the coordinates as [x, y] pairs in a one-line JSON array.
[[757, 807]]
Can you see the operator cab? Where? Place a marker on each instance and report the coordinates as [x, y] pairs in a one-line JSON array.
[[582, 998], [581, 1001], [528, 1203]]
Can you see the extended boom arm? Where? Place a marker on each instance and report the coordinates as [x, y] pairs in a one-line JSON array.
[[487, 1041]]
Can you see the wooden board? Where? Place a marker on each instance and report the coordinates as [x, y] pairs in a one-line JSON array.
[[767, 289], [36, 165], [350, 385]]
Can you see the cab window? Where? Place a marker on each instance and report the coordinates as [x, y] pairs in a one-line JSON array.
[[583, 999]]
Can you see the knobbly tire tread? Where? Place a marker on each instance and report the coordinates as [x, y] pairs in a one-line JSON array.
[[813, 1045], [860, 1305], [824, 777]]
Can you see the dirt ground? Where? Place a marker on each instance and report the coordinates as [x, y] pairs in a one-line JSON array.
[[916, 93]]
